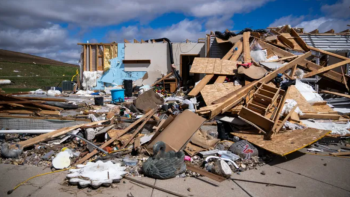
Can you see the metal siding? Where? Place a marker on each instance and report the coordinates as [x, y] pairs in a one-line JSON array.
[[328, 42], [215, 50]]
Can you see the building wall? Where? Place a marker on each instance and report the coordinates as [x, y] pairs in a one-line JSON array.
[[156, 52]]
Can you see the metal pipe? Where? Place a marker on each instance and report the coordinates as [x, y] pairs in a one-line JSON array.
[[87, 141]]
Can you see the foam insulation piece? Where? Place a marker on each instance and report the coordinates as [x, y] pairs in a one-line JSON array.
[[308, 92], [107, 56], [90, 78], [62, 160], [336, 128], [96, 174], [288, 106]]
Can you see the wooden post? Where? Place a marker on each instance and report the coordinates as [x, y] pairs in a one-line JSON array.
[[246, 47], [90, 58], [85, 56]]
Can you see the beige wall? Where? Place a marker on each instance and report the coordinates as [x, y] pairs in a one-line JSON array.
[[159, 56]]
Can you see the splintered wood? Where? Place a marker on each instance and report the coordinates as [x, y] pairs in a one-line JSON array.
[[213, 66], [213, 92]]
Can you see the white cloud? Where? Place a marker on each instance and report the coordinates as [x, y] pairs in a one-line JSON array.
[[324, 24], [338, 10], [179, 32], [287, 20]]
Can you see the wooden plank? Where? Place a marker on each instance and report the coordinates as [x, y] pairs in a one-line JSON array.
[[233, 98], [305, 64], [328, 53], [126, 41], [344, 79], [200, 85], [53, 134], [96, 58], [331, 31], [94, 152], [314, 31], [139, 128], [90, 58], [257, 119], [246, 47], [284, 143], [335, 93], [292, 73], [84, 57], [142, 41], [45, 99], [280, 124], [324, 69], [293, 93], [299, 40], [210, 65], [220, 79], [285, 41], [166, 76], [19, 102], [238, 52], [135, 41], [202, 172], [319, 116], [341, 153], [218, 66]]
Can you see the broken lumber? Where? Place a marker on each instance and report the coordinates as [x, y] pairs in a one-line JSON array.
[[327, 68], [235, 97], [94, 152], [319, 116], [200, 85], [53, 134], [166, 76], [279, 127], [335, 93], [246, 47]]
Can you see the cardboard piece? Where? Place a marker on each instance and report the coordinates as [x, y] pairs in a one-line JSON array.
[[179, 131], [201, 139], [254, 72], [192, 149]]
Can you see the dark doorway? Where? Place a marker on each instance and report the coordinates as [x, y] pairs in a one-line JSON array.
[[188, 79]]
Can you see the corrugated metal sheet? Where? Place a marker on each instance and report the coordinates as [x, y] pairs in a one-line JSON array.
[[215, 51], [328, 42]]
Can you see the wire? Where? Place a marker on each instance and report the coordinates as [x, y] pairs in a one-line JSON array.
[[17, 186]]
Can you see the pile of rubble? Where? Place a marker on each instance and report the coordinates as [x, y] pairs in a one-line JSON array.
[[252, 104]]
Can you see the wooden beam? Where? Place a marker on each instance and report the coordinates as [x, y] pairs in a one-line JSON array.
[[285, 41], [314, 31], [90, 58], [344, 79], [330, 31], [328, 53], [187, 41], [126, 41], [142, 41], [233, 98], [139, 128], [45, 99], [246, 47], [283, 29], [319, 116], [279, 127], [88, 156], [53, 134], [324, 69], [135, 41], [84, 56], [299, 40], [166, 76], [305, 63], [238, 52], [292, 73], [200, 85], [220, 79], [97, 48], [335, 93]]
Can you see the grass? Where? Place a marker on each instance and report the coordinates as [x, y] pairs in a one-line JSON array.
[[34, 76]]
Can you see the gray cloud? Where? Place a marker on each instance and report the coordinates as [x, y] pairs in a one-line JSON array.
[[338, 10]]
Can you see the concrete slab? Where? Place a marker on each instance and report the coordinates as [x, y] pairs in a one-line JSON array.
[[324, 169], [198, 188]]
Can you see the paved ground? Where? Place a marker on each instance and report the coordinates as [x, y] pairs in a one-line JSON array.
[[312, 175]]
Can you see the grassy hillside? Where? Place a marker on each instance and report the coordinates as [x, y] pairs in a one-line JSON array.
[[33, 76]]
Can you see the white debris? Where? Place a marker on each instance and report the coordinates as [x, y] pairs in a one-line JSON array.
[[288, 106], [308, 92], [314, 150], [96, 174], [336, 128], [62, 160], [291, 126]]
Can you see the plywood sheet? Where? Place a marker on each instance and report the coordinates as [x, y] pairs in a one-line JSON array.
[[212, 92], [217, 69], [286, 142], [303, 105], [211, 65], [322, 108], [228, 67], [197, 65]]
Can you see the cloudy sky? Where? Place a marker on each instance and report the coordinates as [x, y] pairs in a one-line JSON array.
[[52, 29]]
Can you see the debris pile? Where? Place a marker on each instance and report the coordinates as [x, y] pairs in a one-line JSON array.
[[253, 104]]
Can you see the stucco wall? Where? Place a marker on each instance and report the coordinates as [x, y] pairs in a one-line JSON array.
[[156, 52]]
